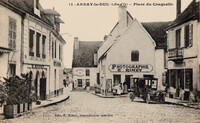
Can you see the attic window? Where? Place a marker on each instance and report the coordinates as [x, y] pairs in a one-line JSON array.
[[135, 55]]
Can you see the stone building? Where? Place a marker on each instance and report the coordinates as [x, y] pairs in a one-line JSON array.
[[132, 49], [10, 41], [84, 65], [40, 46], [183, 53]]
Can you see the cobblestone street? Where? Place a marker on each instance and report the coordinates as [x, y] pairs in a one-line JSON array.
[[85, 107]]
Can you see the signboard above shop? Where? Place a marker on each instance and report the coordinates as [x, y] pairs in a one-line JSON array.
[[139, 68]]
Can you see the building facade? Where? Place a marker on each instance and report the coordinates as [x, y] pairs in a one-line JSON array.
[[39, 29], [183, 53], [84, 65], [132, 49], [10, 42]]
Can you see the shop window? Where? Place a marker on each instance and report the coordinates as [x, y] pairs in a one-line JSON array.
[[135, 55], [12, 70], [38, 35], [87, 72], [43, 46], [80, 83], [189, 79], [178, 38], [117, 79], [87, 82], [31, 42], [12, 33]]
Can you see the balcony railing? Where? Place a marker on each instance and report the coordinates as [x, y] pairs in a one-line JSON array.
[[175, 53]]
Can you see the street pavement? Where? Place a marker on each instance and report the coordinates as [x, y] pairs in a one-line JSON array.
[[83, 107]]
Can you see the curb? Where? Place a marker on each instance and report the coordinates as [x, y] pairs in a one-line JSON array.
[[182, 104], [53, 103], [102, 96]]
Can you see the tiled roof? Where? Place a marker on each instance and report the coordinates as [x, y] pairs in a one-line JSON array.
[[84, 56], [190, 13], [28, 7], [157, 31]]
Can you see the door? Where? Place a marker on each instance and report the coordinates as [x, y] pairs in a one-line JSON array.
[[80, 83], [43, 88], [127, 80]]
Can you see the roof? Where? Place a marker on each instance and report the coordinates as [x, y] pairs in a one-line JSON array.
[[50, 12], [28, 7], [84, 56], [157, 31], [190, 13]]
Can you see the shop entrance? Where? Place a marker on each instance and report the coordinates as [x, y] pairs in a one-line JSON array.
[[43, 88], [127, 80]]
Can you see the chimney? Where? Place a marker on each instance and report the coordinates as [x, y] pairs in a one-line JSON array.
[[122, 18], [178, 7], [76, 43]]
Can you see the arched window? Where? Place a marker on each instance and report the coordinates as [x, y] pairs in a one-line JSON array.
[[135, 55]]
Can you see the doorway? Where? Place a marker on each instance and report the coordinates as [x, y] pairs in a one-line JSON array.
[[43, 88], [127, 80]]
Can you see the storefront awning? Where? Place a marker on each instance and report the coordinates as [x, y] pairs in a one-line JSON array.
[[4, 50]]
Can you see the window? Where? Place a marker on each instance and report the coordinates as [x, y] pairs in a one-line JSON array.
[[80, 83], [12, 33], [52, 49], [43, 46], [38, 44], [31, 42], [135, 55], [117, 79], [12, 70], [87, 72], [186, 34], [178, 38], [60, 52], [55, 49]]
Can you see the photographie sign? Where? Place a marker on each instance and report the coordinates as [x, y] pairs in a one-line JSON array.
[[139, 68]]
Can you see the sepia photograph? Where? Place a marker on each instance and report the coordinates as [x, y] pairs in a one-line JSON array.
[[100, 61]]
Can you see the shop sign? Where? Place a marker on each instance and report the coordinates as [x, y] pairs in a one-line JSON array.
[[37, 66], [140, 68]]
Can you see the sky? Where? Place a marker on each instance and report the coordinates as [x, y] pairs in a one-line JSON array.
[[91, 23]]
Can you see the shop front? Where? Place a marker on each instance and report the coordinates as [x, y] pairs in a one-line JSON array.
[[183, 79], [40, 77]]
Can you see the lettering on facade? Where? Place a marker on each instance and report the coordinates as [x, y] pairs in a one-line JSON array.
[[139, 68], [79, 72], [58, 64], [37, 66]]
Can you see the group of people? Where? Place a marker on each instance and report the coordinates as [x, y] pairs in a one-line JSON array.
[[120, 89]]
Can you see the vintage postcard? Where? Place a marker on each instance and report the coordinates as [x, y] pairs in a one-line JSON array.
[[102, 61]]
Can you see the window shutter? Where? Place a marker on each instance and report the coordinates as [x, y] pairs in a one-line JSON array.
[[191, 35]]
